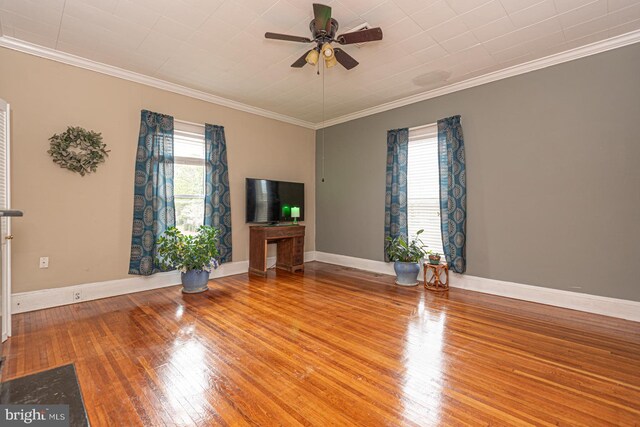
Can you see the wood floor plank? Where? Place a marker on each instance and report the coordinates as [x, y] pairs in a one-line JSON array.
[[334, 346]]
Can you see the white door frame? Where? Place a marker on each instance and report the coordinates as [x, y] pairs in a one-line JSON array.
[[6, 243]]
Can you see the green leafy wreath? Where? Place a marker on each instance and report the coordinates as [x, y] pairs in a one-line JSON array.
[[78, 150]]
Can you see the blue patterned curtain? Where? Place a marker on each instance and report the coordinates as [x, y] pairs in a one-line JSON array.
[[453, 192], [217, 199], [153, 205], [395, 210]]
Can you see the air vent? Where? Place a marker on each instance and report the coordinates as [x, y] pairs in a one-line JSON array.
[[364, 26]]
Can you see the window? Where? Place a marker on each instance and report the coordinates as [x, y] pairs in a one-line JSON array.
[[188, 176], [423, 186]]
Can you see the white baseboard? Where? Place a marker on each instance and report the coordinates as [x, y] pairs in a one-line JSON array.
[[613, 307], [37, 300], [359, 263]]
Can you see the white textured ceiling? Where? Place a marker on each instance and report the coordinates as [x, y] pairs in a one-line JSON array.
[[217, 46]]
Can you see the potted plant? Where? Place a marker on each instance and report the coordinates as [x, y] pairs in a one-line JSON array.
[[406, 256], [194, 255], [434, 257]]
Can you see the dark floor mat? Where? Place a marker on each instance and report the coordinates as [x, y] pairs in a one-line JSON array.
[[58, 386]]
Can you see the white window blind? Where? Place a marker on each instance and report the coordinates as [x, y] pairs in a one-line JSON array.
[[423, 189]]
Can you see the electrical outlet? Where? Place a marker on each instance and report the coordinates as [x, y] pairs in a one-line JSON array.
[[77, 296], [44, 262]]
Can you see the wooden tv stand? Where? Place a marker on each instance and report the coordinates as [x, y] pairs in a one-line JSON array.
[[290, 241]]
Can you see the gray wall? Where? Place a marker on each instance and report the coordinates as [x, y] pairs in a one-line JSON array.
[[553, 168]]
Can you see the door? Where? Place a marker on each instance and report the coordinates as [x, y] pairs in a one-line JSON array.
[[5, 223]]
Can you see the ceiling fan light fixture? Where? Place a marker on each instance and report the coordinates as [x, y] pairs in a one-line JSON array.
[[323, 28], [331, 62], [327, 51], [329, 55], [312, 57]]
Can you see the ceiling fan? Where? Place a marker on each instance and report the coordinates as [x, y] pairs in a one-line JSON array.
[[323, 30]]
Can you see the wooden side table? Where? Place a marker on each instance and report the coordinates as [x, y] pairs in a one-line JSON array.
[[433, 277], [290, 241]]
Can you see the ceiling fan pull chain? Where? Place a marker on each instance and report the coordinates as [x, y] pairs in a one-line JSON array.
[[323, 71]]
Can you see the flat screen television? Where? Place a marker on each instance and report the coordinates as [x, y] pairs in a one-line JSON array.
[[271, 201]]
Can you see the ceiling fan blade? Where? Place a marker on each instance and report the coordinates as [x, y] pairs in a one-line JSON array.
[[322, 16], [362, 36], [287, 37], [344, 58], [302, 61]]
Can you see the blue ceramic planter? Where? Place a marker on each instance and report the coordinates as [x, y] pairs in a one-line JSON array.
[[194, 281], [406, 273]]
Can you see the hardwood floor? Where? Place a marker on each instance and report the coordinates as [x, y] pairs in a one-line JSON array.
[[334, 346]]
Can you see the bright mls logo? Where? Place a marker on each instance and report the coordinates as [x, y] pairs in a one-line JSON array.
[[34, 415]]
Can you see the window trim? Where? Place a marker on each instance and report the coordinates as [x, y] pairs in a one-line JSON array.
[[420, 133], [191, 131]]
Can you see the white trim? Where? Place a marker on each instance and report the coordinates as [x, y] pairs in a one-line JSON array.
[[87, 64], [624, 309], [8, 292], [37, 300], [6, 262], [537, 64], [614, 307], [359, 263]]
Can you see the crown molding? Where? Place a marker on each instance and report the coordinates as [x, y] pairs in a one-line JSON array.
[[537, 64], [87, 64]]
